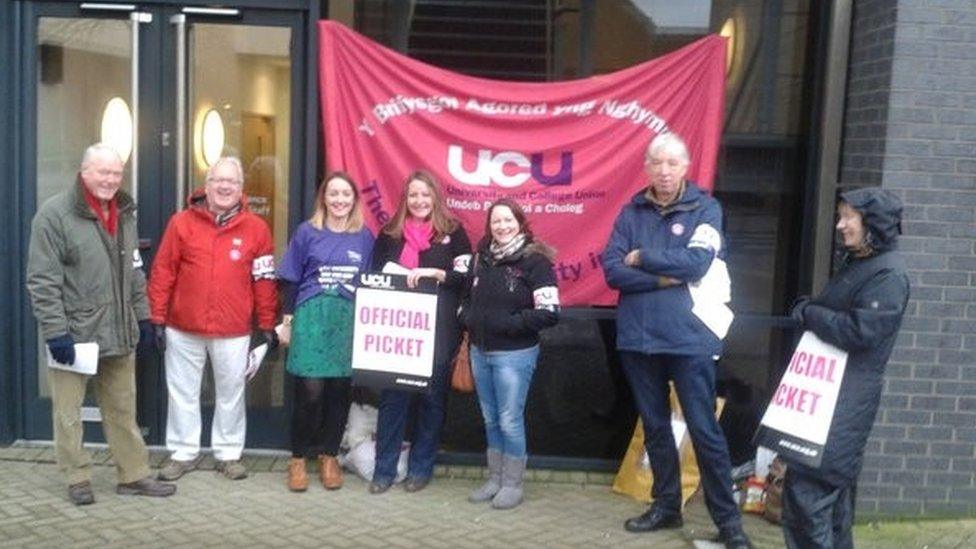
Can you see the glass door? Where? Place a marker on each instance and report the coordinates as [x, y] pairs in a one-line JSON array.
[[172, 88], [234, 96], [85, 92]]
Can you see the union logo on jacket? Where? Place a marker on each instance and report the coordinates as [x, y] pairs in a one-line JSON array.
[[211, 279]]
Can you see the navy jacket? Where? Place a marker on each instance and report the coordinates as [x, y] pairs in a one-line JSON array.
[[678, 241], [860, 311]]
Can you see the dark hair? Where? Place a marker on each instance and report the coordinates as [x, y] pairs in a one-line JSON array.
[[524, 227], [441, 218]]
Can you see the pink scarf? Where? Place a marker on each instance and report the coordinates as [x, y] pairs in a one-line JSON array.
[[416, 238]]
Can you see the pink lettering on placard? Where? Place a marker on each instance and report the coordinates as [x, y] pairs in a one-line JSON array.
[[796, 398]]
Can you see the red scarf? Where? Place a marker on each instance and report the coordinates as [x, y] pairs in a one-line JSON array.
[[110, 220], [416, 238]]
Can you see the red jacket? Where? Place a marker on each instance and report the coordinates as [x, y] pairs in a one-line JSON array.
[[210, 280]]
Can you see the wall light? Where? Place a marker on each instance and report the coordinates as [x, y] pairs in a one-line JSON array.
[[729, 31], [211, 137], [117, 127]]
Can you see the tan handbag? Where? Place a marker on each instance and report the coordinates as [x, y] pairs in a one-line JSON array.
[[461, 379]]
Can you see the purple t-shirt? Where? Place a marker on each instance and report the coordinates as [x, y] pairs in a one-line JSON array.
[[320, 260]]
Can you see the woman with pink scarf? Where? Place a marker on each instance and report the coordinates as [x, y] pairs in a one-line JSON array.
[[424, 237]]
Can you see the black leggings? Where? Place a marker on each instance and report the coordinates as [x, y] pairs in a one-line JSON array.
[[319, 415]]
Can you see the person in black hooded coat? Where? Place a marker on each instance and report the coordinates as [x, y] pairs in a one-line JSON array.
[[860, 311]]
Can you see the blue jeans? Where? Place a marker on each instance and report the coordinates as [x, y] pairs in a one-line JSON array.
[[502, 381], [694, 379], [391, 426]]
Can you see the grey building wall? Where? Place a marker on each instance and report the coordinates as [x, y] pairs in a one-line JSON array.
[[910, 126]]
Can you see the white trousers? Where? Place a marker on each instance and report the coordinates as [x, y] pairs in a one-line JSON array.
[[186, 356]]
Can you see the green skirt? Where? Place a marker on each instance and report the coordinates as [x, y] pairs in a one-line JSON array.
[[321, 338]]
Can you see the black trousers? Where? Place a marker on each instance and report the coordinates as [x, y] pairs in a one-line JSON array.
[[319, 414], [816, 514]]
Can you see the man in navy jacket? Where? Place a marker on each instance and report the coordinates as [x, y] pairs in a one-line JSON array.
[[664, 238]]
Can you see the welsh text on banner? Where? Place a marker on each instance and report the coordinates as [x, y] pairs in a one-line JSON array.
[[571, 153]]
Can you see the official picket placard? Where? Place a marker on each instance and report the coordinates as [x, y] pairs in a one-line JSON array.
[[798, 418], [393, 334]]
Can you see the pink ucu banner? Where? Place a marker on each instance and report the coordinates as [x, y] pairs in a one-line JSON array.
[[571, 153]]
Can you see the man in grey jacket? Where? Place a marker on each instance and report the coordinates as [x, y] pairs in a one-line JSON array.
[[85, 279]]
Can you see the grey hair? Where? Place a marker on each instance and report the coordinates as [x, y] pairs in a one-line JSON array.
[[671, 142], [97, 149], [233, 161]]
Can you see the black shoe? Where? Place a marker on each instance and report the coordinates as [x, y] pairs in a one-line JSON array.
[[656, 518], [379, 486], [81, 493], [733, 537], [415, 484]]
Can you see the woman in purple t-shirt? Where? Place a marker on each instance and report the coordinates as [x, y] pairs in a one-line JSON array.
[[317, 275]]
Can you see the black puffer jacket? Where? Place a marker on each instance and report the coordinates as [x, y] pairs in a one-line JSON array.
[[511, 300], [860, 311]]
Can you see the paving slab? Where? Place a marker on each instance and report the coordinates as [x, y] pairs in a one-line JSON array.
[[561, 510]]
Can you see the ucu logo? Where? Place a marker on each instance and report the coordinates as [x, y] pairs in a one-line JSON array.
[[507, 168], [375, 280]]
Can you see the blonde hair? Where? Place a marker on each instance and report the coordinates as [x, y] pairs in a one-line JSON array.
[[355, 222], [441, 218]]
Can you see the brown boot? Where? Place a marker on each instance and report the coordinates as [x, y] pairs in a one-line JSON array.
[[330, 472], [297, 477]]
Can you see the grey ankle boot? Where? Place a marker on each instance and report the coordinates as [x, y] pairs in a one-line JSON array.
[[494, 482], [510, 494]]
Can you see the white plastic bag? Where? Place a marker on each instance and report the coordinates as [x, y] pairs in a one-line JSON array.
[[361, 459], [361, 425]]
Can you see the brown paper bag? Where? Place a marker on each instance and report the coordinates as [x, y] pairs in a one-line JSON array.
[[634, 477]]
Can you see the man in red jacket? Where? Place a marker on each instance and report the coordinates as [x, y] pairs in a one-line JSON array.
[[213, 272]]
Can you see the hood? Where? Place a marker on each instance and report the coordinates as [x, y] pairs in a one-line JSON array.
[[881, 212]]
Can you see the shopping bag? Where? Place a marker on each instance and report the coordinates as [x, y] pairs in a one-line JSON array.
[[634, 477]]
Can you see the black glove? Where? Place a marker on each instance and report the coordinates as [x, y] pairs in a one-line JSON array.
[[799, 306], [271, 338], [147, 337], [62, 349], [159, 333]]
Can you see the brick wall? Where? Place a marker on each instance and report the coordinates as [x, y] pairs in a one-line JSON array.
[[869, 76], [910, 126]]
